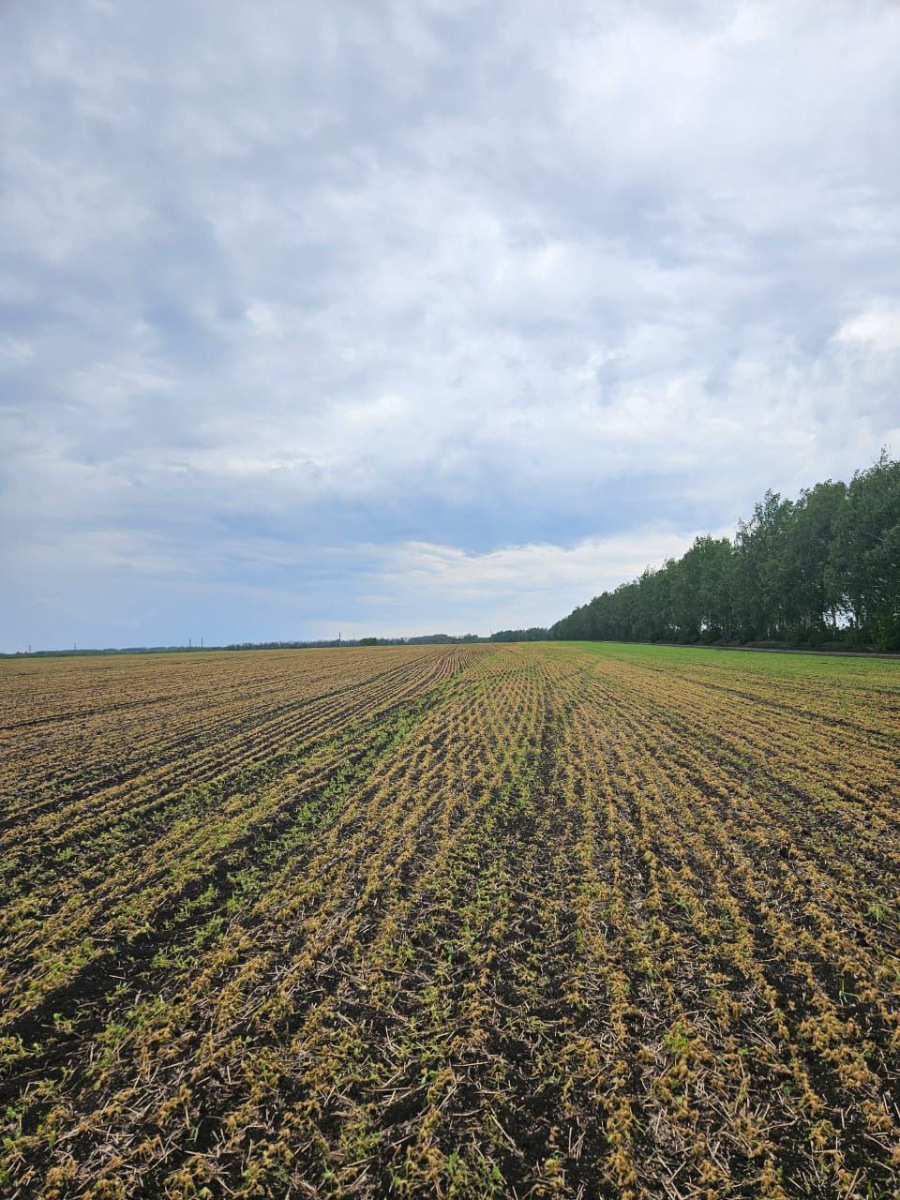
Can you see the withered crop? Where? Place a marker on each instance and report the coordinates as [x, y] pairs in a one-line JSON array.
[[467, 921]]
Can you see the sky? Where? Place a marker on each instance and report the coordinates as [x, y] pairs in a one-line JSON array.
[[398, 317]]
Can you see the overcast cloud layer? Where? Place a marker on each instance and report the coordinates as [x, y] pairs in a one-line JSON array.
[[391, 317]]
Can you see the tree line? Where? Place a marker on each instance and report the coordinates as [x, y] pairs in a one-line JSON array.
[[824, 568]]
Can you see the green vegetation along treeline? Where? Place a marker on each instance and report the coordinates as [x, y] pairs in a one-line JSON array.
[[536, 634], [819, 569]]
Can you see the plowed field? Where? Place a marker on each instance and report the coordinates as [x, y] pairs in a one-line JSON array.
[[469, 921]]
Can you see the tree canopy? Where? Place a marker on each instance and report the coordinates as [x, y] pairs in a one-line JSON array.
[[822, 568]]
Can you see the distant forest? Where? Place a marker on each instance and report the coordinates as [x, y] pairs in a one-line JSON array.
[[824, 568]]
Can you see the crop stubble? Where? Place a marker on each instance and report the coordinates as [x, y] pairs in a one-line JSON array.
[[455, 921]]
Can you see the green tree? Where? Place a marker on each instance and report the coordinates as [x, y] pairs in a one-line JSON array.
[[863, 570], [811, 603]]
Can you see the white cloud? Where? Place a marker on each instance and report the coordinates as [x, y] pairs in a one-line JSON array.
[[535, 578], [878, 327]]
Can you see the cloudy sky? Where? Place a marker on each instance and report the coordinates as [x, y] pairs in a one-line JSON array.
[[395, 316]]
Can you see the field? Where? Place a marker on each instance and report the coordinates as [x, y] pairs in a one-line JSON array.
[[468, 921]]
